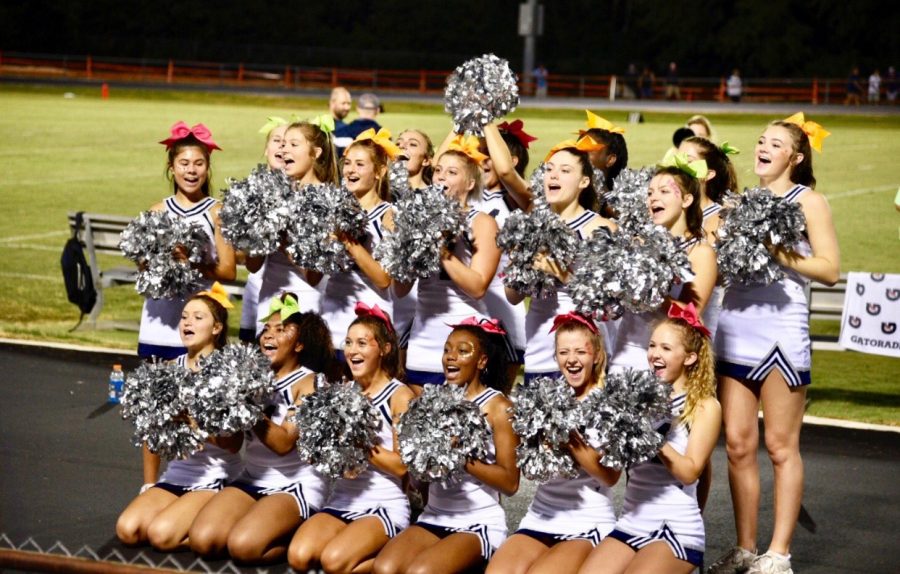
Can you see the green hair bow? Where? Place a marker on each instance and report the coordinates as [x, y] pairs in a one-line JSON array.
[[325, 122], [287, 307], [696, 169], [729, 149]]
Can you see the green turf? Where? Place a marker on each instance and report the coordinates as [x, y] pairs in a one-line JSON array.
[[83, 153]]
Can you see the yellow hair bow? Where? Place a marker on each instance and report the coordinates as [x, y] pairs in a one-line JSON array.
[[467, 145], [218, 294], [814, 131], [696, 169], [382, 139], [596, 122], [584, 143]]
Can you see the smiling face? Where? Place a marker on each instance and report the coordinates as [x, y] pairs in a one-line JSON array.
[[190, 169], [564, 179], [280, 342], [273, 147], [577, 358], [667, 354], [452, 172], [666, 201], [362, 352], [415, 148], [358, 170], [298, 154], [463, 357], [197, 327], [774, 153]]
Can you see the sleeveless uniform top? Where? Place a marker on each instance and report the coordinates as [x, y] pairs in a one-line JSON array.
[[250, 305], [765, 327], [713, 307], [207, 466], [375, 488], [343, 290], [540, 357], [160, 317], [279, 276]]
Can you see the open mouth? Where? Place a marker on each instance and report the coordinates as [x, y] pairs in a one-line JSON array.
[[452, 369], [574, 369], [188, 332], [656, 209], [287, 160], [659, 367], [269, 349], [553, 187], [763, 160], [355, 362]]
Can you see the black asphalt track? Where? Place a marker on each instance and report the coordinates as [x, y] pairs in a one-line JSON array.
[[67, 469]]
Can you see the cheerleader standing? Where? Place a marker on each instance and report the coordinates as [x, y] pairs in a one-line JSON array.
[[568, 517], [661, 529], [365, 511], [188, 168], [164, 510], [613, 158], [365, 164], [254, 516], [463, 523], [764, 351], [570, 194]]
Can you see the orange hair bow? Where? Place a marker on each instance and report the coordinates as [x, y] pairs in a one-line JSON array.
[[596, 122], [467, 145], [584, 143], [218, 294], [382, 139], [814, 131]]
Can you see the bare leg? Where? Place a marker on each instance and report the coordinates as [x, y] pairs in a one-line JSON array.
[[263, 534], [455, 553], [306, 546], [657, 557], [399, 553], [168, 531], [208, 535], [133, 523], [355, 547], [517, 555], [611, 556], [563, 557]]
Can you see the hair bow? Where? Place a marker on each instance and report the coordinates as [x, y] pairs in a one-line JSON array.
[[468, 146], [596, 122], [689, 315], [180, 130], [325, 122], [696, 169], [363, 310], [287, 307], [584, 143], [573, 317], [382, 139], [814, 131], [272, 122], [491, 326], [516, 129], [218, 294], [729, 149]]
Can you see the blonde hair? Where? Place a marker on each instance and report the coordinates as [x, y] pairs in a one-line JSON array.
[[701, 375], [473, 170], [596, 339]]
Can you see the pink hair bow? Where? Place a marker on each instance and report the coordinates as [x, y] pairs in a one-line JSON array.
[[517, 130], [363, 310], [689, 315], [571, 316], [180, 130], [491, 326]]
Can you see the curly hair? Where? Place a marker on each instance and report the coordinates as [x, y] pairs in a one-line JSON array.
[[701, 375]]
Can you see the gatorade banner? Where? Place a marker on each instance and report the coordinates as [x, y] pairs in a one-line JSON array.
[[871, 316]]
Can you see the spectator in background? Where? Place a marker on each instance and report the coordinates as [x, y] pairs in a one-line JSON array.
[[368, 106], [854, 88], [734, 87], [874, 87], [890, 85], [630, 85], [645, 83], [339, 104], [701, 126], [540, 81], [673, 83]]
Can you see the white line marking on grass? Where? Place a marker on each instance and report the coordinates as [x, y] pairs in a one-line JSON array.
[[12, 275], [32, 236], [862, 191], [68, 347], [30, 246]]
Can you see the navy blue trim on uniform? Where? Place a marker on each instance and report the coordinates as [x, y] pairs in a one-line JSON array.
[[350, 516], [478, 530], [552, 374], [424, 378], [663, 534], [197, 209], [164, 352], [550, 539], [713, 209], [794, 378]]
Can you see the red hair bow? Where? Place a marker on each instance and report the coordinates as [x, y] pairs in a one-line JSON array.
[[516, 129], [491, 326], [689, 315], [363, 310], [573, 317], [180, 130]]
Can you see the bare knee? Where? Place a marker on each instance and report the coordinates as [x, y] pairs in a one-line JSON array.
[[782, 449], [128, 529], [300, 556], [420, 567], [207, 540], [244, 547], [161, 536], [741, 447], [335, 560], [386, 564]]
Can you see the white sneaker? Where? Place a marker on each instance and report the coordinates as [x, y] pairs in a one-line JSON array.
[[735, 561], [771, 563]]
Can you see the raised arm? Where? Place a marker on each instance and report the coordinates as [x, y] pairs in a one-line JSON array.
[[505, 168], [388, 459]]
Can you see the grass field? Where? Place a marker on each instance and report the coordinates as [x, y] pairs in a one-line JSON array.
[[62, 154]]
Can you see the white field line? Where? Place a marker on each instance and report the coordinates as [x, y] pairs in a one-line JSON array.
[[30, 246], [15, 238], [67, 346], [13, 275], [862, 191]]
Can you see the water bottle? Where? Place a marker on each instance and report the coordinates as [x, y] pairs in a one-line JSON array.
[[116, 381]]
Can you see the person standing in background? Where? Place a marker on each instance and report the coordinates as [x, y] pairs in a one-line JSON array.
[[854, 89], [673, 82], [368, 106], [645, 83], [540, 81], [734, 87], [339, 106], [874, 87]]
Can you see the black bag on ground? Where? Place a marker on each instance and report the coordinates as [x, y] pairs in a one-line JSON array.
[[77, 273]]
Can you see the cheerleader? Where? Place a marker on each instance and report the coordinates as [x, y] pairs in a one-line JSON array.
[[188, 169], [570, 194], [365, 511], [164, 510], [308, 156], [764, 351], [468, 266], [254, 516], [274, 129], [613, 158], [365, 164], [463, 523], [661, 529], [568, 517], [674, 202]]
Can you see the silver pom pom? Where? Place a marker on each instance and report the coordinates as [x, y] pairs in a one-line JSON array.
[[150, 241], [545, 413], [255, 212], [751, 221], [338, 428], [624, 413], [231, 389], [398, 178], [628, 197], [157, 398], [440, 432], [480, 91], [424, 221]]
